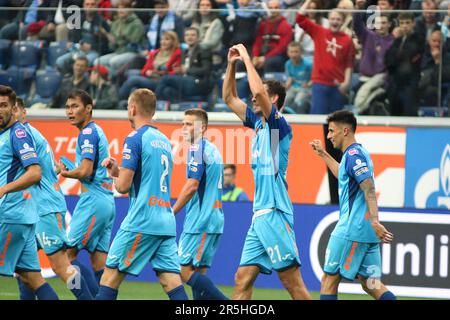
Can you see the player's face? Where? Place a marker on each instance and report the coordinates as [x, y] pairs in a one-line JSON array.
[[228, 177], [76, 112], [21, 114], [256, 107], [192, 128], [6, 112], [335, 135]]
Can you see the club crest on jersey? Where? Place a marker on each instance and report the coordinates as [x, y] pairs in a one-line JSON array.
[[20, 133], [352, 152], [87, 131]]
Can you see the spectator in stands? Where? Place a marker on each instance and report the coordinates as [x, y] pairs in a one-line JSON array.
[[105, 4], [428, 21], [333, 62], [211, 29], [273, 36], [298, 71], [195, 72], [244, 24], [78, 80], [230, 192], [429, 79], [103, 92], [125, 39], [184, 9], [403, 61], [302, 37], [91, 24], [83, 48], [163, 20], [17, 29], [347, 25], [160, 62], [375, 44], [55, 28]]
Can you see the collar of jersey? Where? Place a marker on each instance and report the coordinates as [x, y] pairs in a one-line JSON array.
[[354, 143], [9, 128]]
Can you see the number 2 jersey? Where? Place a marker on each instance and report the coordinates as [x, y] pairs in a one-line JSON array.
[[148, 153]]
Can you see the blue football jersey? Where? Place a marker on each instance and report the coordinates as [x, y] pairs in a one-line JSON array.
[[93, 145], [270, 154], [47, 194], [17, 152], [148, 153], [204, 210], [354, 223]]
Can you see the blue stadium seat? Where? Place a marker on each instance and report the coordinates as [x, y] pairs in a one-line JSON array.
[[19, 79], [184, 105], [280, 76], [47, 84], [54, 51], [162, 105], [5, 46], [432, 112], [26, 54]]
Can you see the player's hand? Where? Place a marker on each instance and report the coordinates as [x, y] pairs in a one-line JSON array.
[[382, 233], [233, 55], [63, 169], [110, 163], [316, 145], [243, 53]]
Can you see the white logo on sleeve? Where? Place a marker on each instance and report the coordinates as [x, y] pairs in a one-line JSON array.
[[86, 147]]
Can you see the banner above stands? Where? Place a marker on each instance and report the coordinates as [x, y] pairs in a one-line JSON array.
[[385, 139]]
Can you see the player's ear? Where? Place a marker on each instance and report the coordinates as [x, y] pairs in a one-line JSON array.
[[89, 108]]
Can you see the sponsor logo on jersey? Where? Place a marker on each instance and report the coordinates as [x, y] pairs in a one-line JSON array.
[[194, 147], [28, 156], [87, 131], [353, 151], [86, 147], [126, 149], [361, 171], [154, 201], [20, 133], [359, 164], [26, 148]]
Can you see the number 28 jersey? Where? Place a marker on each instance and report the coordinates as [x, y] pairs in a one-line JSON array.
[[148, 153]]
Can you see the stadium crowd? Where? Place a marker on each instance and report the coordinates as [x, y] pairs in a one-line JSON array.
[[390, 63]]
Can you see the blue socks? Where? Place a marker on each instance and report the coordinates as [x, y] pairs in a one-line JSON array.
[[88, 276], [98, 275], [388, 296], [178, 294], [106, 293], [45, 292], [328, 297], [25, 292], [82, 293], [206, 290]]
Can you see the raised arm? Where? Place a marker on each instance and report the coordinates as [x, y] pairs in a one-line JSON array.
[[332, 164], [229, 91]]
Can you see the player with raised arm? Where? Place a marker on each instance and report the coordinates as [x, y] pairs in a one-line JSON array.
[[19, 170], [94, 214], [148, 232], [201, 194], [353, 250], [51, 207], [270, 242]]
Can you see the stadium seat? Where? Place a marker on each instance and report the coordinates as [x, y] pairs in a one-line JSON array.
[[162, 105], [47, 83], [26, 54], [54, 51], [280, 76], [5, 46], [432, 112], [19, 79]]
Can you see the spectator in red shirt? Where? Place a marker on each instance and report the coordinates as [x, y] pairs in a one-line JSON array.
[[105, 4], [333, 62], [160, 62], [273, 35]]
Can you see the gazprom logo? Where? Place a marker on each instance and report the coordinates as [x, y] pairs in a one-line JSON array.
[[444, 170]]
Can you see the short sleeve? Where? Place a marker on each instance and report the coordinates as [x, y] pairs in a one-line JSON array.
[[357, 166], [132, 150], [196, 165], [250, 118], [23, 147], [88, 143], [276, 121]]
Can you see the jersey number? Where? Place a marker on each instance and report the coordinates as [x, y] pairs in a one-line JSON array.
[[271, 251], [165, 163]]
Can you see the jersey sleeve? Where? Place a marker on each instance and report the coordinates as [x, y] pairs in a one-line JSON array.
[[88, 142], [276, 121], [357, 166], [196, 162], [250, 118], [132, 150], [24, 148]]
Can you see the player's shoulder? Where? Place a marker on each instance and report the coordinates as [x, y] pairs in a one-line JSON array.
[[19, 132]]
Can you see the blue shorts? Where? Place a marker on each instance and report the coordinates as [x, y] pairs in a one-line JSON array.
[[51, 233], [270, 243], [18, 249], [198, 249], [350, 258], [131, 251], [92, 222]]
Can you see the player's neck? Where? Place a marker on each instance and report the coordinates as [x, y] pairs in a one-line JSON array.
[[9, 125], [84, 123], [139, 123], [197, 140], [347, 144]]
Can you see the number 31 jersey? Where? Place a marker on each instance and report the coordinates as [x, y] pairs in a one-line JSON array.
[[148, 153]]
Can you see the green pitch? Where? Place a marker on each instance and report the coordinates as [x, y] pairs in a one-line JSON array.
[[152, 291]]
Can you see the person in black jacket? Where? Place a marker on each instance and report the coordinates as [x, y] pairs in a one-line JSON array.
[[195, 69], [403, 61]]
